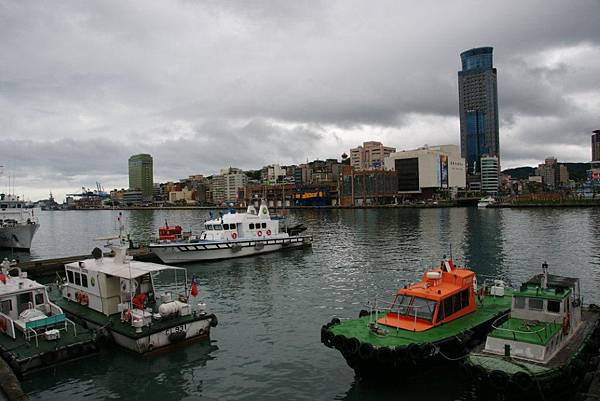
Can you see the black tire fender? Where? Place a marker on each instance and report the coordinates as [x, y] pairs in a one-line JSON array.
[[352, 346], [522, 380], [499, 380], [328, 338], [385, 355], [366, 351], [363, 313], [339, 341]]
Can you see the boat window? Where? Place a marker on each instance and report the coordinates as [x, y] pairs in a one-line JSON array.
[[553, 306], [251, 226], [519, 303], [39, 298], [77, 278], [6, 306], [70, 276], [209, 227], [225, 226], [264, 225], [454, 304], [84, 282], [536, 304], [232, 226], [218, 227], [409, 306]]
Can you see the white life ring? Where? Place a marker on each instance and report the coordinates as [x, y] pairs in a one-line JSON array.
[[268, 232], [259, 233], [234, 235]]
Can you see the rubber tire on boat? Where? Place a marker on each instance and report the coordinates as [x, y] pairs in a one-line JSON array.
[[593, 362], [499, 380], [335, 320], [352, 346], [428, 350], [214, 321], [385, 355], [328, 339], [478, 373], [587, 380], [415, 352], [339, 342], [323, 331], [363, 313], [523, 381], [366, 351]]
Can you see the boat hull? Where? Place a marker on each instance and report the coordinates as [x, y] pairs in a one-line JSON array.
[[19, 236], [493, 382], [195, 252]]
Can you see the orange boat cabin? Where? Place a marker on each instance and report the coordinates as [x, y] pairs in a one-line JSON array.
[[444, 294]]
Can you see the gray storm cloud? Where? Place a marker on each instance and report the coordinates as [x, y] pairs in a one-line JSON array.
[[206, 85]]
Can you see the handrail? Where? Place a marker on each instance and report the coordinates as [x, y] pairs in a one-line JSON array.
[[514, 332]]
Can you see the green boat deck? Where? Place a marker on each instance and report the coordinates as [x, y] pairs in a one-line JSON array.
[[526, 331], [358, 328], [114, 321], [23, 349]]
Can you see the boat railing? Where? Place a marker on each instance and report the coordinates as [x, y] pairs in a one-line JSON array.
[[32, 325], [386, 307], [514, 332]]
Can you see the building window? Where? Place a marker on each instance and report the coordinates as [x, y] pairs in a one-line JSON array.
[[536, 304], [553, 306], [39, 298], [70, 276]]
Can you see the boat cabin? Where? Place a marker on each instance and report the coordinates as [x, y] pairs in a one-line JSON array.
[[25, 307], [443, 294], [235, 226], [545, 312], [120, 285]]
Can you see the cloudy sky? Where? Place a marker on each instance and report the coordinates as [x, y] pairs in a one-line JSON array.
[[203, 85]]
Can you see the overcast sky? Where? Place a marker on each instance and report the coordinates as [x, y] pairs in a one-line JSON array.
[[203, 85]]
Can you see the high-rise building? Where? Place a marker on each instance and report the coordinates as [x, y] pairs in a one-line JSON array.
[[141, 175], [553, 173], [490, 178], [478, 108], [225, 186], [596, 145], [369, 156]]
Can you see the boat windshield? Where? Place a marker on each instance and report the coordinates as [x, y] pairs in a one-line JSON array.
[[409, 306]]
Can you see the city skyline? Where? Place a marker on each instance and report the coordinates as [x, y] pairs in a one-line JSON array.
[[86, 85]]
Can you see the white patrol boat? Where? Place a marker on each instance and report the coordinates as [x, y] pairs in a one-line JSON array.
[[142, 306], [34, 332], [18, 223], [230, 236]]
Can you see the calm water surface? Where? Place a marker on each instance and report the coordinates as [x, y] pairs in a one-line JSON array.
[[270, 308]]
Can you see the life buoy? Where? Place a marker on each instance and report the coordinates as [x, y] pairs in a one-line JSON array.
[[2, 325], [268, 232], [234, 235], [83, 298], [259, 233]]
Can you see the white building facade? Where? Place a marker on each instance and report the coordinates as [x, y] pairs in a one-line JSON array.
[[428, 168]]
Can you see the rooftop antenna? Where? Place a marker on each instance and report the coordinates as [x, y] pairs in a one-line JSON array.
[[544, 280]]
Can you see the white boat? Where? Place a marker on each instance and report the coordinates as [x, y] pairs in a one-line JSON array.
[[232, 235], [485, 202], [18, 223], [34, 331], [120, 297]]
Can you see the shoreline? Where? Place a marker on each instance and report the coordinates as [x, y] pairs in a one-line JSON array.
[[577, 204]]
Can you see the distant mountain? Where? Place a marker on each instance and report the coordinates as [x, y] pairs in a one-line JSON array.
[[577, 171]]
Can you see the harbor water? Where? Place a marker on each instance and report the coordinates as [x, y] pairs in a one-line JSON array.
[[271, 307]]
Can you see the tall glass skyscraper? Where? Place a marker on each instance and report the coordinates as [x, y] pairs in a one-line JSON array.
[[141, 174], [478, 103]]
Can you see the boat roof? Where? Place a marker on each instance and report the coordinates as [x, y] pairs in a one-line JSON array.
[[12, 285], [129, 269], [451, 283], [555, 281], [534, 291]]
